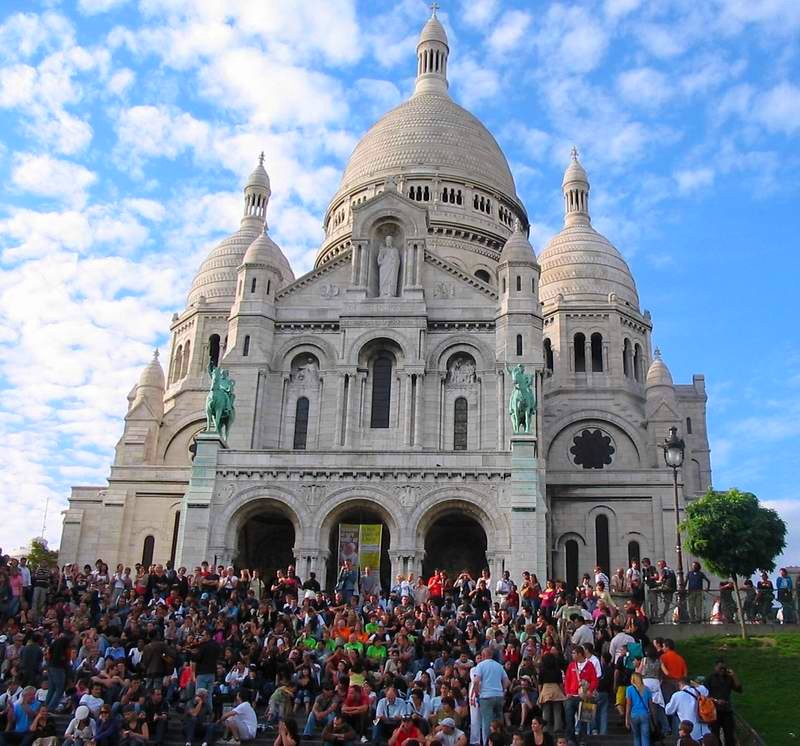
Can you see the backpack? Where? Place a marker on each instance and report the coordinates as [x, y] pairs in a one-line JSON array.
[[706, 707]]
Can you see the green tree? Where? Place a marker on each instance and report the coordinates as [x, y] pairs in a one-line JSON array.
[[39, 554], [735, 536]]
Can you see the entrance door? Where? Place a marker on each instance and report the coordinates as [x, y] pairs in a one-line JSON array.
[[266, 543], [357, 516], [454, 543]]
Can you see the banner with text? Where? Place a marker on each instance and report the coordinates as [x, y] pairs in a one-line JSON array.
[[361, 544]]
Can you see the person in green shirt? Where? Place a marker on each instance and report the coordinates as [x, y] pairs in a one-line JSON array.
[[355, 644], [376, 650]]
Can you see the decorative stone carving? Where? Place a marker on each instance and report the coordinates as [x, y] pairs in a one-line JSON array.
[[328, 290], [461, 371], [305, 369], [444, 289]]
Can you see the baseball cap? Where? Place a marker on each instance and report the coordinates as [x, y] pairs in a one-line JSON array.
[[448, 723]]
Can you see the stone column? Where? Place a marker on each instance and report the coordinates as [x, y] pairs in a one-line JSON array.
[[340, 409], [193, 534], [418, 415], [407, 394]]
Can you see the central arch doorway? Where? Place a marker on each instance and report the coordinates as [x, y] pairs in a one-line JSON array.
[[357, 516], [455, 542], [266, 542]]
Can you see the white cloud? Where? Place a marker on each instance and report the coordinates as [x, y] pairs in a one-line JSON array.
[[644, 86], [570, 40], [660, 40], [155, 131], [693, 179], [24, 34], [474, 82], [509, 31], [779, 109], [478, 14], [52, 177], [121, 80]]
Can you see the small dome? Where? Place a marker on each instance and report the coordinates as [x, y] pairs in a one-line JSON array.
[[265, 252], [259, 176], [433, 31], [518, 248], [575, 171], [582, 265], [153, 374], [658, 373]]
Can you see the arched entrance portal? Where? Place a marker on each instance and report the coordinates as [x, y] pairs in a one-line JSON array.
[[356, 516], [455, 542], [266, 543]]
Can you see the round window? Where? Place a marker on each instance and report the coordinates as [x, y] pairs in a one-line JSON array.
[[592, 449]]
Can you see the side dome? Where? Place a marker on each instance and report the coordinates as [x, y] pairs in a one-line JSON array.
[[265, 252], [658, 373], [578, 263], [582, 265], [153, 374], [216, 278], [429, 133]]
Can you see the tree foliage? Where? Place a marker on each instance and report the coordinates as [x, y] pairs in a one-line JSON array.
[[733, 533], [39, 554]]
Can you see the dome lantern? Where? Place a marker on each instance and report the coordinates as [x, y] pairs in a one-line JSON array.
[[576, 192], [256, 195], [432, 53]]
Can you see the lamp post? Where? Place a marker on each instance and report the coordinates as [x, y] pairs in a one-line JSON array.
[[674, 449]]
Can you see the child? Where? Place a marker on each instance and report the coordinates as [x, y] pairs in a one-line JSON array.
[[685, 734]]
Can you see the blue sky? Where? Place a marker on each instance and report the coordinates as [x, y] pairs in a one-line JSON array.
[[129, 127]]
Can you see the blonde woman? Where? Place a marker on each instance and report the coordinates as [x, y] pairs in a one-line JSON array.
[[637, 710]]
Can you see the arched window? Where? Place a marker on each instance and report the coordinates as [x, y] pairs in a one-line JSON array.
[[504, 284], [186, 357], [519, 345], [597, 352], [548, 355], [301, 424], [269, 286], [246, 346], [626, 358], [637, 362], [460, 423], [519, 283], [381, 391], [634, 552], [147, 550], [580, 352], [571, 564], [602, 544], [483, 276], [213, 350], [688, 425], [253, 285], [177, 363]]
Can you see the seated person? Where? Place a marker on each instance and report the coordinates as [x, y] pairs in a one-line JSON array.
[[338, 732], [406, 731]]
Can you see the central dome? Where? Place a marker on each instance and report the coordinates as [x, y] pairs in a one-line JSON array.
[[429, 133]]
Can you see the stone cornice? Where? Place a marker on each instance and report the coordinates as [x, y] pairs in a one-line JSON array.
[[339, 259], [460, 274]]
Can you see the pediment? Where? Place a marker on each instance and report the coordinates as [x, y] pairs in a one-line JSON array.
[[390, 204], [323, 285], [446, 283], [664, 412]]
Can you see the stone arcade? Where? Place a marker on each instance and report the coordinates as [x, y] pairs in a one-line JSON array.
[[375, 388]]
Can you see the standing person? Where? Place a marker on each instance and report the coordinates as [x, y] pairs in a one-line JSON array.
[[59, 659], [674, 668], [347, 580], [666, 587], [650, 578], [41, 587], [580, 674], [370, 585], [27, 586], [783, 585], [683, 705], [551, 693], [637, 710], [489, 690], [695, 579], [206, 656], [722, 682]]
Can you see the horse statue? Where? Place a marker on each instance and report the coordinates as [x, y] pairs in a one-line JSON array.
[[219, 402], [522, 404]]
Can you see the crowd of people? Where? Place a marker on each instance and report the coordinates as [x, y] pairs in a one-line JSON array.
[[434, 662]]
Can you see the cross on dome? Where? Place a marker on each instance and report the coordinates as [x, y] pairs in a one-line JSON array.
[[574, 153], [434, 7], [261, 159], [657, 353], [155, 354]]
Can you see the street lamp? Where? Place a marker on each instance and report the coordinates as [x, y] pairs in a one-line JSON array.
[[674, 449]]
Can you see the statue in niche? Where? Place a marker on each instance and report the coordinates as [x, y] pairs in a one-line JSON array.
[[462, 371], [388, 268], [306, 370]]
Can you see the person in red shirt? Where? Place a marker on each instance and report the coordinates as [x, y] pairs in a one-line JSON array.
[[674, 668], [436, 587], [404, 732], [580, 670], [355, 709]]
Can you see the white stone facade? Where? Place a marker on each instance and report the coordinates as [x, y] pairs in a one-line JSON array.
[[316, 440]]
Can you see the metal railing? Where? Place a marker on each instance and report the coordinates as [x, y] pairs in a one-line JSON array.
[[713, 607], [745, 734]]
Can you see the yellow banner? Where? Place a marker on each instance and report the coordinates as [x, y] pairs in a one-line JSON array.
[[369, 546]]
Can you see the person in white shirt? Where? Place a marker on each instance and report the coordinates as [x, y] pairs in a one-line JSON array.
[[489, 688], [601, 577], [583, 633], [241, 722], [618, 641], [683, 704], [503, 587], [593, 659]]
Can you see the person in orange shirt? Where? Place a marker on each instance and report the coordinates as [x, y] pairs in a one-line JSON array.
[[436, 587], [674, 668]]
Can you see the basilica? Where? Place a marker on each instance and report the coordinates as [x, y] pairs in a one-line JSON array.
[[374, 390]]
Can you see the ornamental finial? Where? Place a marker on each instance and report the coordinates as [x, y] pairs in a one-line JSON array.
[[434, 7], [261, 159], [574, 153]]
